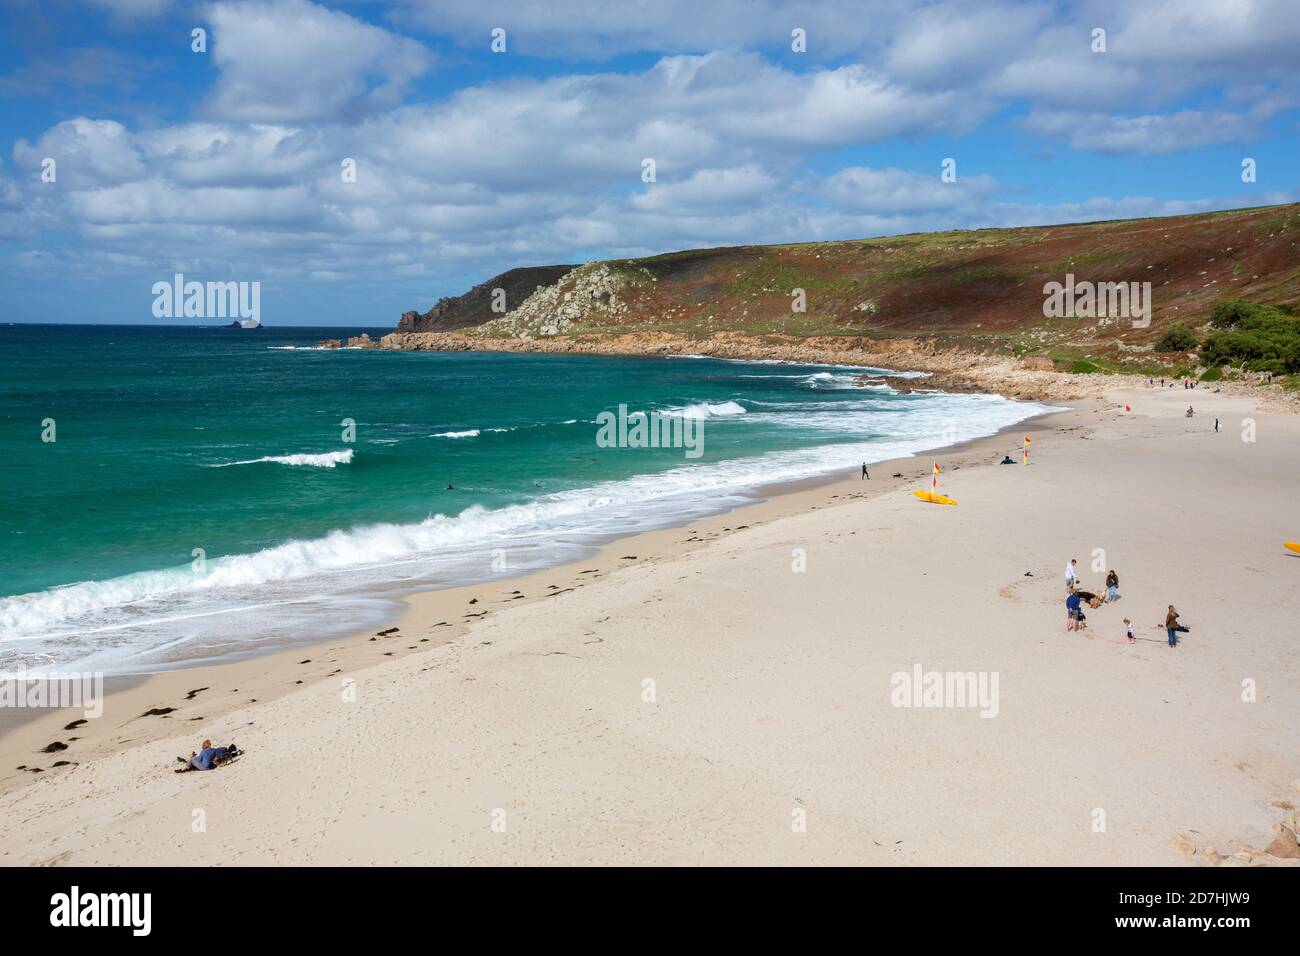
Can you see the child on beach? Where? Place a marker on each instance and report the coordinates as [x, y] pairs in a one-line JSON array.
[[1129, 624]]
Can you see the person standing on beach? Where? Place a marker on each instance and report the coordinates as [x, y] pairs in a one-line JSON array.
[[1171, 626], [865, 476], [1072, 610], [1071, 573], [1112, 586], [1216, 424], [1129, 624]]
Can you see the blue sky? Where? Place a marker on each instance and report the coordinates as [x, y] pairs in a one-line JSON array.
[[225, 164]]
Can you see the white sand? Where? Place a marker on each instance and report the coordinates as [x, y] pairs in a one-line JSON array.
[[773, 688]]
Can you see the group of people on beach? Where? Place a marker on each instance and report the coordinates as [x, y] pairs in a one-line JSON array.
[[1076, 596], [1188, 383]]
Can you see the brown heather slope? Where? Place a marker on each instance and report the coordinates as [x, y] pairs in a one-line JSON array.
[[968, 292]]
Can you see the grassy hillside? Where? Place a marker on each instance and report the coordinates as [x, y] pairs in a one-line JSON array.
[[979, 290]]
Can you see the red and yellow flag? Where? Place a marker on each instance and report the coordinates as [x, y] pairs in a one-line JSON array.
[[1025, 460]]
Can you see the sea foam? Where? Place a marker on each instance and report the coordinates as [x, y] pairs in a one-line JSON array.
[[327, 459]]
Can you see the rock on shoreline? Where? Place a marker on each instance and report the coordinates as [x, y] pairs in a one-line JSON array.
[[949, 370]]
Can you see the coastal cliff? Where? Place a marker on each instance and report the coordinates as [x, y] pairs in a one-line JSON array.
[[967, 306]]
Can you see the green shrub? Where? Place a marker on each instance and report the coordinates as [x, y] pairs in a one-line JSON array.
[[1227, 314], [1212, 374], [1257, 337], [1083, 367], [1177, 338]]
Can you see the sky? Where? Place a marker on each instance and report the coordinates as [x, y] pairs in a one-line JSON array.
[[765, 120]]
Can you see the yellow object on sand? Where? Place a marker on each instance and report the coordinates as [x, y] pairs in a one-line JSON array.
[[1292, 546], [934, 499]]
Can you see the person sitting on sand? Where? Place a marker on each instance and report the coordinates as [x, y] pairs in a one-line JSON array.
[[1190, 411], [209, 757], [1006, 460], [1112, 586]]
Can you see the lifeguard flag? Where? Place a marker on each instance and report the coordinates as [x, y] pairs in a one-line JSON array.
[[934, 482]]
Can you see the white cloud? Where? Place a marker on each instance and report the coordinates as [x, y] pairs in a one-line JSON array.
[[86, 152], [1155, 133], [896, 191], [708, 190], [294, 61], [533, 170], [599, 28]]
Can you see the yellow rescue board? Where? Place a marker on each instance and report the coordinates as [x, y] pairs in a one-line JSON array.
[[931, 497], [1292, 546]]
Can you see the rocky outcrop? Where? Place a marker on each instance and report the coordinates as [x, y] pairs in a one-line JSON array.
[[362, 341], [476, 306], [1284, 850], [588, 294]]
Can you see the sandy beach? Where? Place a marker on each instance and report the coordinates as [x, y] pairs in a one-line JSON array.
[[726, 692]]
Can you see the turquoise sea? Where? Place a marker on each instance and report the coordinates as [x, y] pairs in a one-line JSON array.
[[203, 497]]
